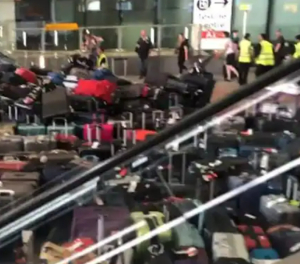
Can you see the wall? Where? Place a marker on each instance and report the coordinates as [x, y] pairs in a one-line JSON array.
[[7, 20]]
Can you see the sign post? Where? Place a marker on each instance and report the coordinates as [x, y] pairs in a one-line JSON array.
[[245, 8]]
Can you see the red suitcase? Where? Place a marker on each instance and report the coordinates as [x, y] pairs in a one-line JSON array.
[[254, 236], [27, 75], [103, 90]]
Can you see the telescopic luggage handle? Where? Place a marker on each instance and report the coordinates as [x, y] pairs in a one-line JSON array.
[[292, 189], [65, 122]]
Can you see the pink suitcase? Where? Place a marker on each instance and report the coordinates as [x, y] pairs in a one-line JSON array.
[[105, 133]]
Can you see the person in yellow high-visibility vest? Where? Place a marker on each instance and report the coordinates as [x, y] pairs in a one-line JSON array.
[[265, 59], [296, 54], [102, 62], [245, 58]]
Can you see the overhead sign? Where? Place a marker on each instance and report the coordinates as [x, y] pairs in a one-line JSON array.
[[214, 16], [61, 26]]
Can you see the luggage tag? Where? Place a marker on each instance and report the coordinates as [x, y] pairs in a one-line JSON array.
[[183, 166]]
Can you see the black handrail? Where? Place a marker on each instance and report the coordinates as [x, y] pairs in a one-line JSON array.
[[188, 122]]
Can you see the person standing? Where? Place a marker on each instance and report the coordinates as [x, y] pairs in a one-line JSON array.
[[183, 52], [279, 47], [296, 54], [244, 59], [143, 48], [265, 58]]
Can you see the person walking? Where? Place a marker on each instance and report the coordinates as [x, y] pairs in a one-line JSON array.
[[244, 59], [143, 48], [296, 54], [183, 52], [230, 51], [279, 48], [265, 58]]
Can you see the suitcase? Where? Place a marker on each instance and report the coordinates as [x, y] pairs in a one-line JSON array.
[[134, 91], [57, 156], [285, 238], [276, 209], [60, 126], [39, 143], [7, 197], [11, 143], [98, 222], [254, 237], [31, 177], [82, 103], [55, 103], [30, 129], [67, 142], [228, 247], [104, 90], [70, 82], [106, 132], [19, 188], [217, 143], [80, 73], [27, 75], [264, 256], [56, 78], [153, 220]]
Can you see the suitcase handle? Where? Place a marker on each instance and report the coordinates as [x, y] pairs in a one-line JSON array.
[[157, 114], [6, 192], [64, 121], [292, 188], [98, 132], [125, 135]]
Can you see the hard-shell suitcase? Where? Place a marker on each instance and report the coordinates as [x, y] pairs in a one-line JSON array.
[[21, 177], [58, 156], [106, 132], [39, 143], [27, 75], [82, 103], [277, 210], [285, 238], [254, 237], [19, 189], [32, 129], [229, 246], [264, 256]]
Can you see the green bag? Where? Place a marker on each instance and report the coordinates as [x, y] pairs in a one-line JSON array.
[[30, 129], [157, 219], [64, 128]]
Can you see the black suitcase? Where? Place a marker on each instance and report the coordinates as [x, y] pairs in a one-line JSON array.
[[134, 91]]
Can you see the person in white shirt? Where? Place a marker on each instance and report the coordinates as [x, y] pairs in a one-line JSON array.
[[230, 51]]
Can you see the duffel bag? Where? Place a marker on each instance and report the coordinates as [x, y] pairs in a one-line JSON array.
[[104, 90]]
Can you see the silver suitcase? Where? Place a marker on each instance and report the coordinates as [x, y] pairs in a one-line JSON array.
[[39, 143]]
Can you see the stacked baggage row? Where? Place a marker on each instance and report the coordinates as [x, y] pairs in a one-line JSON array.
[[55, 122], [259, 226]]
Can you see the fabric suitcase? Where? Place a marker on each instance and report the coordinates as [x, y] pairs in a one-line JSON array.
[[104, 90], [56, 78], [39, 143], [229, 246], [153, 219], [285, 238], [254, 237], [264, 256], [11, 143], [27, 75], [276, 209], [134, 91], [55, 103], [57, 156]]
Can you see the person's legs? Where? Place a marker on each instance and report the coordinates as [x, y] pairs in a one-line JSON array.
[[258, 70], [181, 66], [242, 68], [246, 72], [142, 68]]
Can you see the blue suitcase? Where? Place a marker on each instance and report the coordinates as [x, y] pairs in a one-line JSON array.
[[264, 254]]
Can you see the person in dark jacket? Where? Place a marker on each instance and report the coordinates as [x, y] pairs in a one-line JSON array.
[[143, 48], [279, 48], [183, 52]]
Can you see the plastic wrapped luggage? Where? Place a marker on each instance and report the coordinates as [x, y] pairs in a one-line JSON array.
[[264, 256], [229, 248], [39, 143], [254, 236], [27, 75], [104, 90]]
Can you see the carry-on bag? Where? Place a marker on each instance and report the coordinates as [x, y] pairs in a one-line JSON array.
[[27, 75], [83, 103], [106, 131], [55, 103], [39, 143]]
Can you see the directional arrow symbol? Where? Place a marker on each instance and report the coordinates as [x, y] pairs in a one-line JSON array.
[[224, 2]]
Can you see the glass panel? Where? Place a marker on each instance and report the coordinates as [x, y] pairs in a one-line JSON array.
[[29, 38], [286, 17], [225, 164], [256, 18], [62, 40]]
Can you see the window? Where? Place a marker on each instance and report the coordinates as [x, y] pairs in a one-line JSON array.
[[94, 5]]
